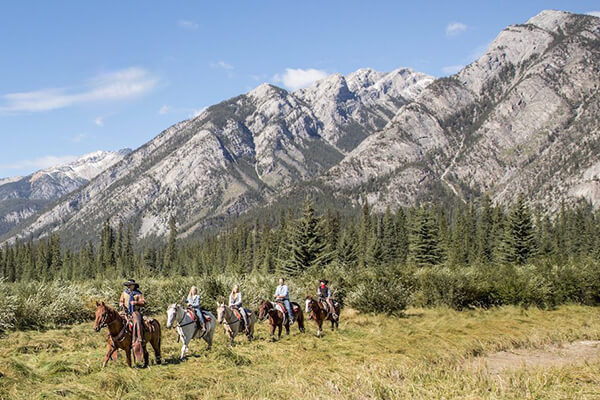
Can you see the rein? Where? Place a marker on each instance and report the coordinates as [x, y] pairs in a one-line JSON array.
[[186, 324], [119, 337], [237, 320]]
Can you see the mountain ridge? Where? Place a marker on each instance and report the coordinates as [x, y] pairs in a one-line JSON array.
[[520, 119]]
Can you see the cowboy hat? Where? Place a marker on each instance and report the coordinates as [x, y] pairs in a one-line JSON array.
[[131, 282], [325, 281]]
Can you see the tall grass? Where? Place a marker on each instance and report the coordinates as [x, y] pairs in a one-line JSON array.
[[423, 355]]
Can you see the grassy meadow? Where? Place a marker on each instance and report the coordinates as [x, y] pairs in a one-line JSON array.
[[424, 354]]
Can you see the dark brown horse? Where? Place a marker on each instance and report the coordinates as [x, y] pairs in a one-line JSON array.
[[277, 316], [119, 334], [318, 313]]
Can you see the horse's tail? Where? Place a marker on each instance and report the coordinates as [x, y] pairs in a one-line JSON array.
[[158, 331]]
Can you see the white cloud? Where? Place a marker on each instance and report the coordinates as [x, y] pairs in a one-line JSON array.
[[594, 13], [39, 163], [99, 121], [222, 64], [452, 69], [455, 28], [299, 78], [164, 109], [186, 24], [123, 84], [79, 138]]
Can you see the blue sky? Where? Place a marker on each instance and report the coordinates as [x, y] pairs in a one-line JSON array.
[[80, 76]]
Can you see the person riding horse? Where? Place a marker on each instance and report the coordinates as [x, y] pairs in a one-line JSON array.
[[193, 300], [131, 302], [235, 302], [282, 294], [324, 295]]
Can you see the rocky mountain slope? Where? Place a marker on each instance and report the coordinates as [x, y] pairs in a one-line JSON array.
[[23, 197], [523, 118], [234, 155]]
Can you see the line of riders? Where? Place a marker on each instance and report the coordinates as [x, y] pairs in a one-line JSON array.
[[132, 301]]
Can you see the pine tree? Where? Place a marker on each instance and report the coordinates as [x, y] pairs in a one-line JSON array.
[[307, 246], [519, 240], [425, 248], [389, 238], [402, 235], [171, 250], [347, 252], [364, 233]]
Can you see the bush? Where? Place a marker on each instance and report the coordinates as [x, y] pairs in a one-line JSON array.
[[379, 290]]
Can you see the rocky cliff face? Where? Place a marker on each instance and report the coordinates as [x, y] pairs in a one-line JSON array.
[[521, 119], [23, 197], [234, 155]]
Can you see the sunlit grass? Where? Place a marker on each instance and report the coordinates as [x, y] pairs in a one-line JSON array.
[[371, 357]]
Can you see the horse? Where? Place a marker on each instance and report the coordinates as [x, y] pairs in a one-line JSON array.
[[119, 334], [187, 328], [319, 313], [231, 323], [276, 317]]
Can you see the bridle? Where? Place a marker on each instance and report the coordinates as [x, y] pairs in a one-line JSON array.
[[179, 323], [225, 321], [103, 321]]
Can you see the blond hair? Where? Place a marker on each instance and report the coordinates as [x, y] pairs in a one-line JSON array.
[[235, 290], [193, 291]]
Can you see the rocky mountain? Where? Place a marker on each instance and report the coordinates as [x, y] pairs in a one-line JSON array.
[[523, 118], [234, 155], [23, 197]]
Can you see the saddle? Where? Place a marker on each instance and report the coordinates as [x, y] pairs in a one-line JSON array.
[[194, 317], [238, 315]]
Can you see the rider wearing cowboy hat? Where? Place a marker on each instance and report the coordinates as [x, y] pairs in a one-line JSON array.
[[324, 294], [131, 301]]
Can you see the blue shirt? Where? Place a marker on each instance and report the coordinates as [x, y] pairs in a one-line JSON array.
[[283, 290], [237, 301], [194, 301], [131, 295]]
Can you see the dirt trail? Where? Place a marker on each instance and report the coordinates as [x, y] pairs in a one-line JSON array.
[[549, 356]]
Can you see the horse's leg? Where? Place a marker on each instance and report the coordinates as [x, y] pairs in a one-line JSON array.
[[109, 352], [209, 337], [251, 332], [272, 331], [156, 344], [146, 356], [287, 327], [128, 355], [231, 336], [279, 332], [300, 322], [319, 326]]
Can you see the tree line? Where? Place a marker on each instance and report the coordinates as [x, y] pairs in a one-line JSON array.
[[302, 240]]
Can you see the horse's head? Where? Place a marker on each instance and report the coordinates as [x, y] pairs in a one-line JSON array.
[[101, 316], [309, 304], [221, 311], [172, 312], [265, 307]]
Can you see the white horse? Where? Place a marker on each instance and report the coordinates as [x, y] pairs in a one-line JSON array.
[[187, 329], [231, 323]]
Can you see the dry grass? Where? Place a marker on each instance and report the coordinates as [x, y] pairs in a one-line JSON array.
[[371, 357]]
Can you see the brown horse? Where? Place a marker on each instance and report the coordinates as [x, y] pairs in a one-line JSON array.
[[319, 313], [276, 317], [119, 334]]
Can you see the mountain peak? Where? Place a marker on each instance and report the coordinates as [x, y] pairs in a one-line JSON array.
[[266, 90], [550, 20]]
